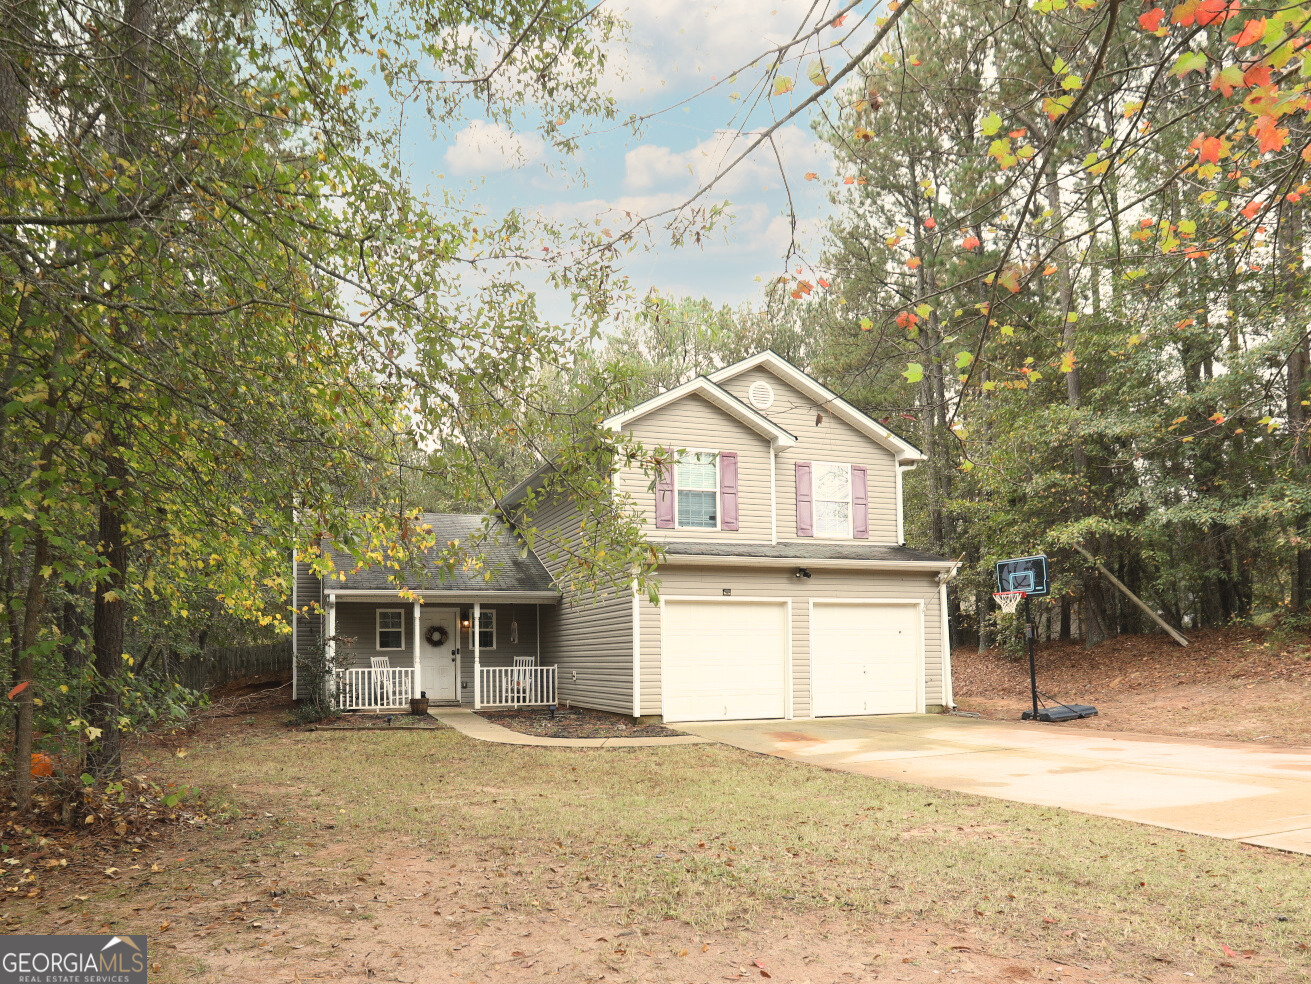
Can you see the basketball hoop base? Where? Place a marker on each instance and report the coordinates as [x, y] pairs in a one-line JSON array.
[[1061, 712]]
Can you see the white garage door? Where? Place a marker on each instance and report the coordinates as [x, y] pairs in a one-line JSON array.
[[724, 660], [864, 659]]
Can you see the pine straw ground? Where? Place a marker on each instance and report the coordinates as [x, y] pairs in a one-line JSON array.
[[425, 856], [1240, 683]]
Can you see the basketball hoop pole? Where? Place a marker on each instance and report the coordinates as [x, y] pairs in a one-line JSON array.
[[1033, 669]]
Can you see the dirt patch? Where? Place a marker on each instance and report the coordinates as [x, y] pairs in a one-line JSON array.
[[576, 723], [372, 722], [419, 916], [1238, 684]]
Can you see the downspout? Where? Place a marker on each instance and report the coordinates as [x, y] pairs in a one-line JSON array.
[[948, 694], [901, 508]]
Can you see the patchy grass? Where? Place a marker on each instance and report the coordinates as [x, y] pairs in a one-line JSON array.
[[698, 836]]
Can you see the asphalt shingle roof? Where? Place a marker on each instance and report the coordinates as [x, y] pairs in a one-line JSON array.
[[502, 557]]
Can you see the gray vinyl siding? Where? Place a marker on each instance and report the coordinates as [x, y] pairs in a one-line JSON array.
[[831, 440], [693, 422], [781, 582], [309, 594], [505, 651], [589, 638], [357, 637]]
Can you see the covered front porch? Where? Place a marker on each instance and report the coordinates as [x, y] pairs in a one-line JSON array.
[[479, 650]]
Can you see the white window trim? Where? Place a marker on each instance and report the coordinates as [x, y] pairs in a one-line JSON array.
[[718, 493], [473, 627], [378, 630], [815, 500]]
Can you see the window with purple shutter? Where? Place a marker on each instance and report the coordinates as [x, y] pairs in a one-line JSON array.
[[728, 490], [805, 501], [664, 504], [859, 502]]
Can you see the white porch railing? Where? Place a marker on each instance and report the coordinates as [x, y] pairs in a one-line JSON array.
[[375, 689], [515, 686]]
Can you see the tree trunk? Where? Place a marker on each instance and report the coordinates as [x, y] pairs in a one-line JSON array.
[[33, 606], [109, 618]]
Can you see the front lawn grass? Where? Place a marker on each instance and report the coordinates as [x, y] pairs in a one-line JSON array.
[[716, 836]]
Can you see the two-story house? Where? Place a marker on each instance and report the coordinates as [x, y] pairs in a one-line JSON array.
[[786, 590]]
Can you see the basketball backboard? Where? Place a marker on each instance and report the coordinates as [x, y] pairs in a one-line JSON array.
[[1027, 574]]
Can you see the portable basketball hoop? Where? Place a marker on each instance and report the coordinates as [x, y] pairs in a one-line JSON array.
[[1008, 601], [1020, 579]]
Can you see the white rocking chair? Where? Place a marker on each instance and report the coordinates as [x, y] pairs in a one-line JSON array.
[[380, 682], [521, 681]]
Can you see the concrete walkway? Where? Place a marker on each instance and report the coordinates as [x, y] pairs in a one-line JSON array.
[[1258, 794], [468, 723]]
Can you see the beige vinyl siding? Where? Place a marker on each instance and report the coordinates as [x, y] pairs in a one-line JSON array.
[[781, 582], [695, 423], [832, 440], [589, 639]]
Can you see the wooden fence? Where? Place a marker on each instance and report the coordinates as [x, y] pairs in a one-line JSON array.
[[224, 664]]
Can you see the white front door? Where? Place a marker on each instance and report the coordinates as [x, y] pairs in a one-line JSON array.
[[865, 659], [439, 660], [724, 660]]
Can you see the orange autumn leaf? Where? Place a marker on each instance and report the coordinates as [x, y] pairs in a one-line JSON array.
[[1257, 76], [972, 242], [914, 263], [42, 764], [823, 283], [1183, 13], [930, 223], [1251, 209], [1216, 11], [848, 181], [19, 689], [1252, 32], [1197, 254], [1017, 134], [907, 319], [1269, 134], [839, 20], [1151, 21], [812, 176], [1210, 150], [1049, 270]]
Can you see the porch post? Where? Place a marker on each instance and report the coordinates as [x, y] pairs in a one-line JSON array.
[[418, 689], [330, 645], [477, 672]]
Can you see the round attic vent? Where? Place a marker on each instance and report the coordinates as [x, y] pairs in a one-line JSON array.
[[761, 395]]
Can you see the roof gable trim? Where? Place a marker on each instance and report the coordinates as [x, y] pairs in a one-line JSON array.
[[716, 396], [905, 452]]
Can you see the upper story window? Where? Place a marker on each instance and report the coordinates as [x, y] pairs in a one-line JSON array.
[[391, 628], [832, 500], [696, 482]]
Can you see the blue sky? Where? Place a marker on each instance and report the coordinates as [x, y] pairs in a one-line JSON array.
[[674, 49]]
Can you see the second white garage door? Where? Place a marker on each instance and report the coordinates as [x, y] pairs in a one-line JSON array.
[[724, 660], [865, 659]]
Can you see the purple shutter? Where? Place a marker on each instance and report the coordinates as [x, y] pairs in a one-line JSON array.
[[859, 503], [665, 498], [728, 490], [805, 502]]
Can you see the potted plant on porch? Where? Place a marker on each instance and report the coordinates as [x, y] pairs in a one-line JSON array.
[[419, 705]]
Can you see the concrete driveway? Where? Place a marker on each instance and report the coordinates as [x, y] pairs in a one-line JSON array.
[[1259, 794]]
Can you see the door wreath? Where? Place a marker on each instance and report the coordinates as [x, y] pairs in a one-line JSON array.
[[437, 635]]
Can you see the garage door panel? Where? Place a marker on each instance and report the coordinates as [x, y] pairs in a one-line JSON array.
[[724, 661], [865, 659]]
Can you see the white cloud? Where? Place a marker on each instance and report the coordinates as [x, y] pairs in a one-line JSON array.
[[655, 167], [483, 147], [680, 44]]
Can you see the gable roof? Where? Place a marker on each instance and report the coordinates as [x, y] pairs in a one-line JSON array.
[[503, 555], [905, 452], [714, 394]]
